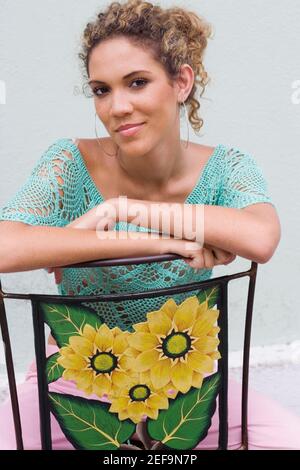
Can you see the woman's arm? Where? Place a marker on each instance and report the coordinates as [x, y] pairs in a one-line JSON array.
[[252, 233], [25, 247]]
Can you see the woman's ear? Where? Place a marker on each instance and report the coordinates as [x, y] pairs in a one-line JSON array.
[[185, 82]]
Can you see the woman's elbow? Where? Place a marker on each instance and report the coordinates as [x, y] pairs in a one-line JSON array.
[[269, 245]]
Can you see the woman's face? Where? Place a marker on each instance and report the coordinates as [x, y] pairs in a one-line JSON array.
[[143, 97]]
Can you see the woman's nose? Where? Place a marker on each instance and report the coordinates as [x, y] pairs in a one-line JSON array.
[[120, 105]]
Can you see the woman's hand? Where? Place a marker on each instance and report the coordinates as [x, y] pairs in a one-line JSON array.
[[200, 257], [57, 274]]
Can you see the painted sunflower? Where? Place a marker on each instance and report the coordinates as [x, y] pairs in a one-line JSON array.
[[177, 345], [96, 360], [138, 399]]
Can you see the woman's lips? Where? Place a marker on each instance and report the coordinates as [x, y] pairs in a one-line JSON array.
[[131, 130]]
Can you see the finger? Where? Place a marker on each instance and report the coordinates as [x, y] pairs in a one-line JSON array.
[[231, 259], [209, 259], [222, 257], [220, 254], [58, 276], [198, 261]]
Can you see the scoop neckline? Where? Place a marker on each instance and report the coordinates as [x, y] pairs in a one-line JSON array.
[[199, 180]]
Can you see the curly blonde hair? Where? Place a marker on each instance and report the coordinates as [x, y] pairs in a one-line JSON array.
[[174, 36]]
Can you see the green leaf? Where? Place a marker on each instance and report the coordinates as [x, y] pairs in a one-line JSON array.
[[187, 420], [211, 295], [88, 424], [68, 320], [53, 370]]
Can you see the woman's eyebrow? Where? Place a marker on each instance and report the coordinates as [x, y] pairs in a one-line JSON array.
[[126, 76]]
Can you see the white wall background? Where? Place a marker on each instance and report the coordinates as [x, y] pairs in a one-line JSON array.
[[254, 64]]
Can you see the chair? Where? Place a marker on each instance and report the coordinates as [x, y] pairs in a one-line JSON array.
[[199, 401]]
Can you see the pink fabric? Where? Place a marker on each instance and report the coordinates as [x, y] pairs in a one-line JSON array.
[[270, 426]]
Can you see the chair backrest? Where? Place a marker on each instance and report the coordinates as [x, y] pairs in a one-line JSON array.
[[176, 334]]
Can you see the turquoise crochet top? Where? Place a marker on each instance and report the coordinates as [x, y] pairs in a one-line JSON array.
[[60, 189]]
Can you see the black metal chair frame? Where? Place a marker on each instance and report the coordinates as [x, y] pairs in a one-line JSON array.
[[40, 350]]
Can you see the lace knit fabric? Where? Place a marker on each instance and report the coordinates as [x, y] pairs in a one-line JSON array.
[[60, 189]]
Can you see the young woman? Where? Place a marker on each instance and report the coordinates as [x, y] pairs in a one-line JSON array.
[[143, 64]]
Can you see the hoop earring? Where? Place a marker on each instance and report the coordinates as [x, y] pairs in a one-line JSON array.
[[187, 124], [98, 140]]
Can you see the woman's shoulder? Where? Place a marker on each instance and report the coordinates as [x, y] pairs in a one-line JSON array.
[[92, 151], [203, 149], [76, 150]]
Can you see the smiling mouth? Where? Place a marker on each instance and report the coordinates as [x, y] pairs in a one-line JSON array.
[[129, 126], [130, 130]]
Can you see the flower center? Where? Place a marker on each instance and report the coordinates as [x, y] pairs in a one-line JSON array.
[[104, 363], [176, 345], [139, 393]]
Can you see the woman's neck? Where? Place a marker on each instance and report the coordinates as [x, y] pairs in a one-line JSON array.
[[157, 167]]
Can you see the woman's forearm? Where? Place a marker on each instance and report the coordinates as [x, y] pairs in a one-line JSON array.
[[234, 230], [36, 247], [238, 232]]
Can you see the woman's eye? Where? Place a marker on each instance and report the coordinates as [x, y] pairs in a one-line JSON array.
[[95, 91], [142, 82]]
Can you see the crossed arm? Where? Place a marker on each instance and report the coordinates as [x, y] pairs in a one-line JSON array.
[[252, 233]]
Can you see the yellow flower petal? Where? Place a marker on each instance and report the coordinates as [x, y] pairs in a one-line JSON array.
[[214, 331], [181, 376], [202, 308], [104, 338], [123, 415], [158, 401], [185, 315], [66, 350], [170, 391], [136, 410], [159, 323], [120, 379], [200, 362], [89, 332], [72, 361], [120, 344], [88, 390], [207, 344], [114, 391], [136, 406], [146, 360], [131, 352], [116, 331], [141, 327], [205, 323], [70, 374], [119, 404], [144, 377], [81, 345], [143, 341], [126, 362], [169, 308], [101, 385], [197, 380], [215, 355], [160, 373], [152, 413], [85, 379]]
